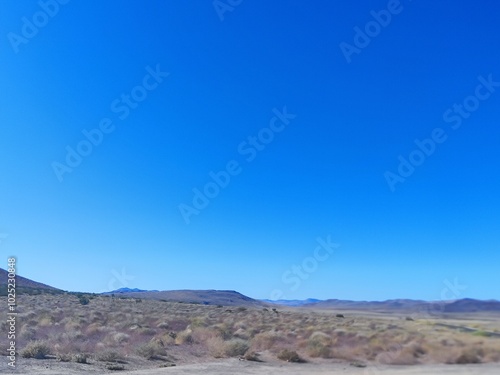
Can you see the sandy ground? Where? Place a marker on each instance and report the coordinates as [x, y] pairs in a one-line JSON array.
[[235, 367]]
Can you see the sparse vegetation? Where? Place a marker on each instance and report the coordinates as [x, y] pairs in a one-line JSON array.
[[108, 330]]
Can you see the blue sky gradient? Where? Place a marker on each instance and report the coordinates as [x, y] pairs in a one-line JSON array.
[[333, 170]]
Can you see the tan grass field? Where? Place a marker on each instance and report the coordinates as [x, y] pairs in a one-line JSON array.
[[56, 334]]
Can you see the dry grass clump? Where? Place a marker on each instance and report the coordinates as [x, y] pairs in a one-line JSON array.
[[36, 349]]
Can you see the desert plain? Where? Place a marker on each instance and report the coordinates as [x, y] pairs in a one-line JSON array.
[[72, 334]]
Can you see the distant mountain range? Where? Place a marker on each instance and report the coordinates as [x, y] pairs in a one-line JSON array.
[[466, 305], [233, 298], [292, 302], [128, 290]]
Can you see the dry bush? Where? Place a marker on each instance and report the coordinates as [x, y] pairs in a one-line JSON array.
[[151, 350], [109, 356], [319, 345], [252, 356], [64, 357], [266, 340], [219, 348], [120, 337], [36, 349], [115, 367], [236, 347], [466, 356], [290, 356], [81, 357], [224, 330], [184, 337], [242, 334], [215, 346], [203, 334]]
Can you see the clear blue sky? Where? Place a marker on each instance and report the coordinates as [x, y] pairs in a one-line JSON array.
[[330, 170]]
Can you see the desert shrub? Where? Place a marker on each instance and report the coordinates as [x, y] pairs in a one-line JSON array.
[[215, 346], [36, 349], [471, 355], [115, 367], [252, 356], [84, 300], [120, 337], [289, 356], [219, 348], [265, 340], [184, 337], [109, 356], [224, 330], [198, 322], [235, 347], [242, 334], [165, 339], [81, 358], [319, 345], [151, 350], [404, 356], [203, 334], [64, 357]]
